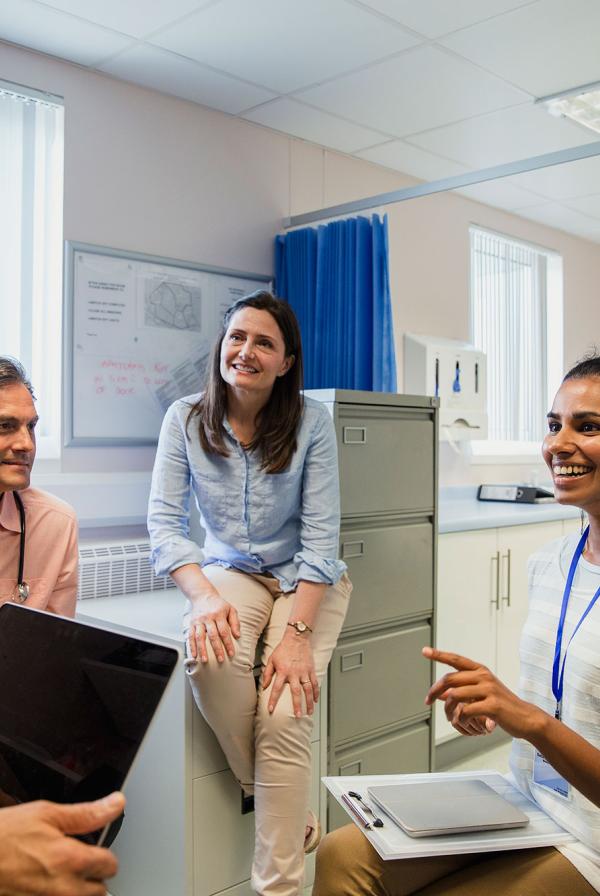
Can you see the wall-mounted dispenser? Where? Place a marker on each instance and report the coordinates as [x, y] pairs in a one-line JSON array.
[[454, 372]]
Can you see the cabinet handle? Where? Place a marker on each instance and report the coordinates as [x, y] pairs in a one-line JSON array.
[[506, 597], [351, 661], [496, 560], [355, 435], [351, 768], [352, 549]]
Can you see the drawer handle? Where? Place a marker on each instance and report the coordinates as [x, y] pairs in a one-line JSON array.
[[351, 661], [355, 435], [351, 768], [352, 549]]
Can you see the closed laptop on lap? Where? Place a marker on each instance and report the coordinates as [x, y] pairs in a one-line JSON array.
[[428, 809]]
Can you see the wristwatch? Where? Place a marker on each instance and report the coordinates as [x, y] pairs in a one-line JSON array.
[[300, 626]]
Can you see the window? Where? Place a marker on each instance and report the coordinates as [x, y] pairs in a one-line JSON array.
[[516, 319], [31, 187]]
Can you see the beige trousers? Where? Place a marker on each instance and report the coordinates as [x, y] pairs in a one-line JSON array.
[[269, 753], [347, 865]]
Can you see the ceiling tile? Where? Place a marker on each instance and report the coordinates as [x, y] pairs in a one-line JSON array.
[[436, 17], [501, 193], [568, 181], [505, 136], [295, 118], [41, 28], [588, 205], [562, 218], [169, 73], [410, 160], [421, 89], [544, 47], [283, 44], [135, 17]]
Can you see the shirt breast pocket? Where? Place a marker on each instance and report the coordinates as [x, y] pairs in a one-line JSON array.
[[210, 492], [283, 496]]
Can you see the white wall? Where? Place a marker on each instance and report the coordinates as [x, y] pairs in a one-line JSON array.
[[151, 173]]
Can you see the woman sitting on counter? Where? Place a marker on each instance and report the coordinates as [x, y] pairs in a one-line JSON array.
[[262, 463], [555, 720]]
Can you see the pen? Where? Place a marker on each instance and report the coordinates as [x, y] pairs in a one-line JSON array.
[[357, 811], [377, 822]]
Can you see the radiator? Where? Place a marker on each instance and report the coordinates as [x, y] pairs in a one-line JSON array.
[[114, 568]]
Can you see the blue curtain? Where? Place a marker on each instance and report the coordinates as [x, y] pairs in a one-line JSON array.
[[337, 281]]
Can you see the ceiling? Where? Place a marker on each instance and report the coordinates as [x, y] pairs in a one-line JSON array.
[[432, 88]]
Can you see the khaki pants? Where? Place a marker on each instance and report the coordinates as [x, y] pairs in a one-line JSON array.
[[269, 753], [347, 865]]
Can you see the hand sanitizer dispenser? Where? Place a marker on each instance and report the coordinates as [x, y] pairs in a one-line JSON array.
[[454, 372]]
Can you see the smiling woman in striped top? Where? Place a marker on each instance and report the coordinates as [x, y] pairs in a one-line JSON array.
[[555, 719]]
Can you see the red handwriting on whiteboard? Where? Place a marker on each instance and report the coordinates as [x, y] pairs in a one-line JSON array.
[[124, 378]]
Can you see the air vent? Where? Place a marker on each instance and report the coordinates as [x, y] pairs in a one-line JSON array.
[[115, 568]]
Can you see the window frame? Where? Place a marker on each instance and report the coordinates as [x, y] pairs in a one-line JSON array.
[[512, 451]]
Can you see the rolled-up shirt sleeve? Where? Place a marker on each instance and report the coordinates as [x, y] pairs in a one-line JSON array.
[[320, 511], [169, 504]]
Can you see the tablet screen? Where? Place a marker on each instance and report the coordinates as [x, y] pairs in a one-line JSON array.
[[75, 704]]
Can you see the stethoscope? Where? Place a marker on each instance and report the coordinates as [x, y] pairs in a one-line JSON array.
[[22, 590]]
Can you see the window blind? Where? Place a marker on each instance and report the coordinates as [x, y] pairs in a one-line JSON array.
[[31, 225], [508, 320]]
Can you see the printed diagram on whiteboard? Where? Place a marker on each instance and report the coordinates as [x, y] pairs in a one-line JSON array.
[[142, 334], [172, 304]]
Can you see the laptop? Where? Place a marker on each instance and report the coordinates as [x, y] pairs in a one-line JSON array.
[[75, 704], [436, 808]]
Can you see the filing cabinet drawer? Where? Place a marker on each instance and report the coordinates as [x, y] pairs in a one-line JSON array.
[[223, 838], [386, 456], [391, 569], [406, 752], [378, 681]]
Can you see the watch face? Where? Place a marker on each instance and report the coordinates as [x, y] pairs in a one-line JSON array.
[[301, 626]]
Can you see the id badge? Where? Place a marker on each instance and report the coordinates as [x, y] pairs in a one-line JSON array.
[[547, 776]]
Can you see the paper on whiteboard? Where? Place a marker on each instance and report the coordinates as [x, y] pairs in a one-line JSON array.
[[142, 336]]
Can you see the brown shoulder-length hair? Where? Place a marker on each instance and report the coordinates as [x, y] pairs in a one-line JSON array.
[[277, 424]]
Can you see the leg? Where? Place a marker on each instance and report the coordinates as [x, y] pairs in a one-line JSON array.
[[283, 756], [543, 872], [226, 692], [347, 865]]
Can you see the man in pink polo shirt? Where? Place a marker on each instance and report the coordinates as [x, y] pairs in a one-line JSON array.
[[49, 568]]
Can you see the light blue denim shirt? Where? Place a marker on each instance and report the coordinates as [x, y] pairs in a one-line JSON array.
[[283, 523]]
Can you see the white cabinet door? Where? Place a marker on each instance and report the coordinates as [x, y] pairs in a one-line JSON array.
[[516, 544], [466, 616]]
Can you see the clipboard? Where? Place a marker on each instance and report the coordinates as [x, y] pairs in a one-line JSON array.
[[391, 842]]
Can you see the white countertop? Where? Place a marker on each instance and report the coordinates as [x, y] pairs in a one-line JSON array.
[[459, 510], [154, 613]]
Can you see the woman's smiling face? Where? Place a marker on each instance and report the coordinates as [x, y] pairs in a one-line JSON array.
[[253, 351], [571, 447]]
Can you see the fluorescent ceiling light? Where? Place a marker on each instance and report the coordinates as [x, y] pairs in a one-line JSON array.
[[580, 104]]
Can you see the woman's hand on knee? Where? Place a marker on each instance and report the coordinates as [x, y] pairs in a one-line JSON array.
[[292, 663], [215, 620]]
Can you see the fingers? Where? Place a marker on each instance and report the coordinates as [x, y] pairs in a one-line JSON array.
[[462, 663], [225, 635], [215, 629], [276, 691], [234, 622], [454, 680], [95, 863], [267, 674], [309, 696], [82, 818]]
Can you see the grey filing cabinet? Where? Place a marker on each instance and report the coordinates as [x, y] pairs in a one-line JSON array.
[[387, 449]]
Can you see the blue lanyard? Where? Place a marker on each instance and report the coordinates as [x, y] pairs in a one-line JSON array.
[[558, 670]]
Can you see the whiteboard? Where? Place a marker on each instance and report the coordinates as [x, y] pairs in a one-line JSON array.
[[138, 335]]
